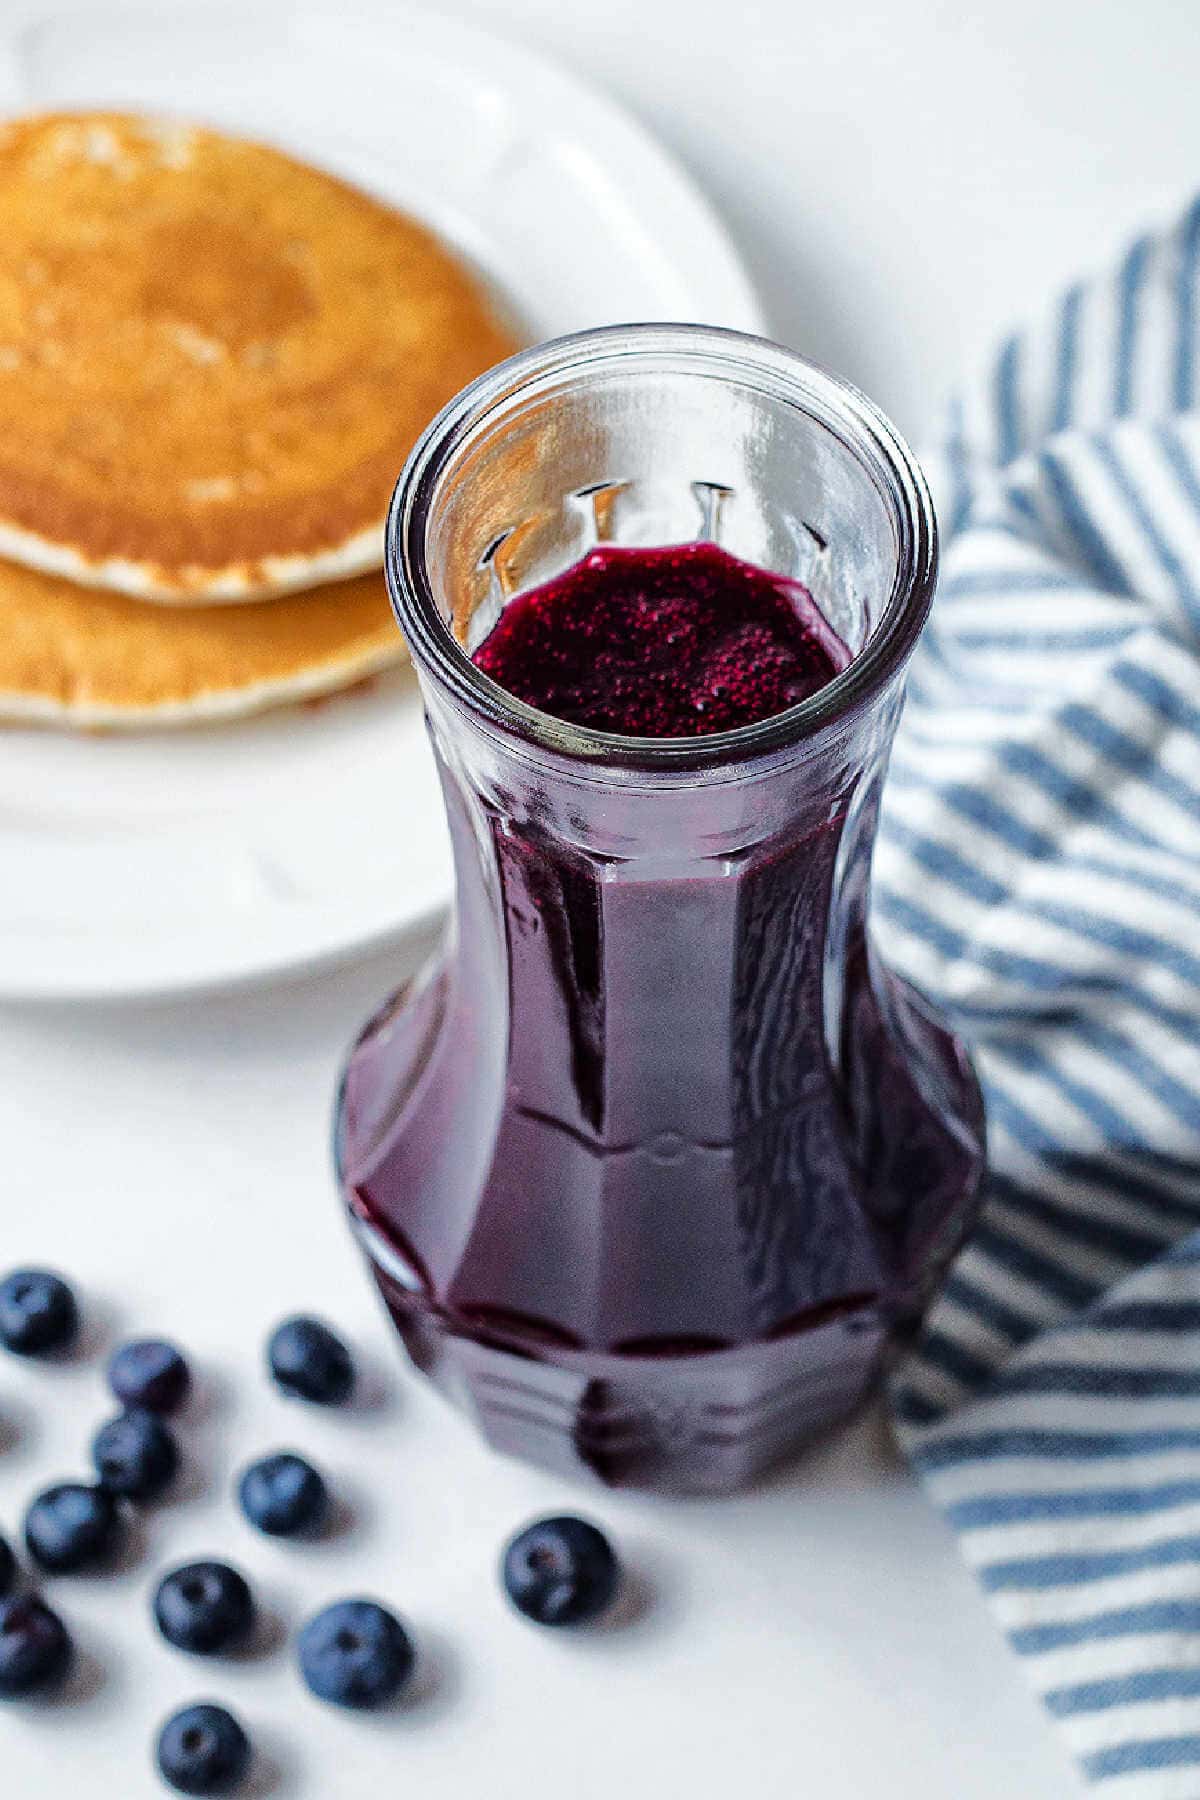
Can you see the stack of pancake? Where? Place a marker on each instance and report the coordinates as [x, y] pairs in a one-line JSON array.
[[213, 362]]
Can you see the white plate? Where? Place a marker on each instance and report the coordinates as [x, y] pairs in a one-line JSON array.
[[162, 863]]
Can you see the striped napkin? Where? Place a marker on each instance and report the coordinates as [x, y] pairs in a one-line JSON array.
[[1039, 874]]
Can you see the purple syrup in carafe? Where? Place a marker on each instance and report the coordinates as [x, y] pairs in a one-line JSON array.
[[657, 1165], [672, 642]]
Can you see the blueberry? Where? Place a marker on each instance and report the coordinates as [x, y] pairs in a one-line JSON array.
[[8, 1568], [135, 1455], [310, 1361], [283, 1495], [202, 1750], [72, 1526], [37, 1312], [355, 1653], [560, 1571], [35, 1650], [149, 1373], [205, 1607]]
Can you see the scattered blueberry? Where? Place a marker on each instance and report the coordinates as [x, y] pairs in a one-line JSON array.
[[560, 1571], [202, 1750], [310, 1361], [8, 1568], [135, 1455], [72, 1526], [205, 1607], [283, 1495], [355, 1653], [149, 1373], [35, 1650], [37, 1312]]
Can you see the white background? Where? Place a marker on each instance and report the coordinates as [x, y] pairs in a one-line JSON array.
[[903, 180]]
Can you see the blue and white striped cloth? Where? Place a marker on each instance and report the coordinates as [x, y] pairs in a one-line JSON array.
[[1039, 873]]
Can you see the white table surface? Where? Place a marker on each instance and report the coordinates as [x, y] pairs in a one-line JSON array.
[[903, 180]]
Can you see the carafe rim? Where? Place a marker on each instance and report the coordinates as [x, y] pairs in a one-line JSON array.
[[711, 351]]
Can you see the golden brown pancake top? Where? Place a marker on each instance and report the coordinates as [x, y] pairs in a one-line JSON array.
[[214, 359]]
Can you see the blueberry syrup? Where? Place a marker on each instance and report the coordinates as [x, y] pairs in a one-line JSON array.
[[658, 1165], [672, 642]]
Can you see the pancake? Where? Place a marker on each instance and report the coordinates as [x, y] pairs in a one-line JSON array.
[[214, 359], [71, 656]]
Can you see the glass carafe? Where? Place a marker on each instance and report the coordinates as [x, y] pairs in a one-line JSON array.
[[656, 1163]]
